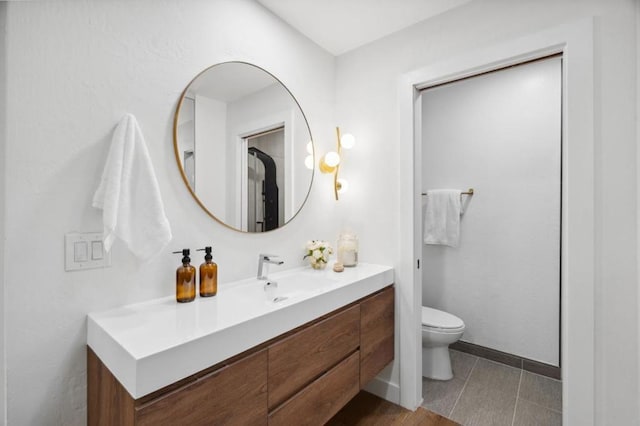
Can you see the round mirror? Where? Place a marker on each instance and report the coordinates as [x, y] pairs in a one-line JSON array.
[[244, 147]]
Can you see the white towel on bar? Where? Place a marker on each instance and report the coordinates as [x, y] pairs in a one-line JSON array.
[[128, 194], [442, 217]]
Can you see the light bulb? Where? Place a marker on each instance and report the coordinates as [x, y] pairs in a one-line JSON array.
[[308, 162], [343, 185], [347, 141], [310, 147], [332, 159]]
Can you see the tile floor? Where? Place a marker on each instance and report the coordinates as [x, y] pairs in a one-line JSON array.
[[484, 392]]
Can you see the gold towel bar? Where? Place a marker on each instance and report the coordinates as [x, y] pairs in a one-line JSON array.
[[469, 192]]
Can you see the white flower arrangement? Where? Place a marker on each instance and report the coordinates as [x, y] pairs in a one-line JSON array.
[[318, 253]]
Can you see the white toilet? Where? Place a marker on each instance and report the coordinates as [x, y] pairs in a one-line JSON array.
[[439, 330]]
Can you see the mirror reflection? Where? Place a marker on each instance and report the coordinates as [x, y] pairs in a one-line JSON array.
[[241, 141]]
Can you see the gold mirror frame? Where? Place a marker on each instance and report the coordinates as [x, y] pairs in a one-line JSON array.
[[178, 153]]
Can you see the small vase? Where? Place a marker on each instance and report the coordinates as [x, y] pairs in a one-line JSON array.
[[318, 265]]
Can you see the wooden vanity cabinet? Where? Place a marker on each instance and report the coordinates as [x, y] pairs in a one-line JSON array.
[[300, 358], [233, 394], [316, 403], [108, 402], [377, 329], [303, 377]]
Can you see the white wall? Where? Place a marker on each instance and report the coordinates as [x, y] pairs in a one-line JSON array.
[[211, 154], [500, 134], [3, 138], [367, 105], [638, 176], [73, 69], [186, 127]]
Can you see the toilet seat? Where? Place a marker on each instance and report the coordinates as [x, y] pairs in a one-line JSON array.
[[435, 319]]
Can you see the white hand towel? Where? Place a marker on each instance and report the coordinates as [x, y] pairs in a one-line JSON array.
[[128, 194], [442, 217]]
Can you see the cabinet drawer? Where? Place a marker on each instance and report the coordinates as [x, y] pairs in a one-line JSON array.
[[300, 358], [323, 398], [233, 395], [376, 340]]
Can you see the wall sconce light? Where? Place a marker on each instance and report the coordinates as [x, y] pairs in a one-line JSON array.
[[330, 162]]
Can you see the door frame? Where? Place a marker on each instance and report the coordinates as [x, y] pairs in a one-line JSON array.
[[575, 42], [240, 132]]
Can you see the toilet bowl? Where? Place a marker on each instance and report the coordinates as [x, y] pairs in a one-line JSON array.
[[439, 330]]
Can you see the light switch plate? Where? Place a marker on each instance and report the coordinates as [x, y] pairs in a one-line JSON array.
[[85, 250]]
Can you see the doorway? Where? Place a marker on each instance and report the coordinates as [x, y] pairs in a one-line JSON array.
[[575, 42], [499, 133], [265, 178]]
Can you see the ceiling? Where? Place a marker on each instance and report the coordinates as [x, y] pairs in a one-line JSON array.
[[342, 25]]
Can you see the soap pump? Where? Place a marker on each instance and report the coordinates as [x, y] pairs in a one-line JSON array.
[[208, 275], [185, 279]]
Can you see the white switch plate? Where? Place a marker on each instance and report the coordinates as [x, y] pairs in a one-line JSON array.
[[85, 250]]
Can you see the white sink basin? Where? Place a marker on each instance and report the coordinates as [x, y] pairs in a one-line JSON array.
[[290, 286], [145, 345], [296, 285]]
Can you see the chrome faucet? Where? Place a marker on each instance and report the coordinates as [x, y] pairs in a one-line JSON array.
[[266, 258]]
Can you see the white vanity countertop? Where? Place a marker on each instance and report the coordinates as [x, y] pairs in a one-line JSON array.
[[152, 344]]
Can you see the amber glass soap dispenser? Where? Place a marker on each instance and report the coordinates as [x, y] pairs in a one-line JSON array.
[[208, 275], [185, 279]]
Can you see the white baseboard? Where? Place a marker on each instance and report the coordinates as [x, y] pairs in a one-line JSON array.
[[383, 389]]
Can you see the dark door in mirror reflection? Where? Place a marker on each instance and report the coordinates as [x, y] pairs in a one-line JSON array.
[[263, 200]]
